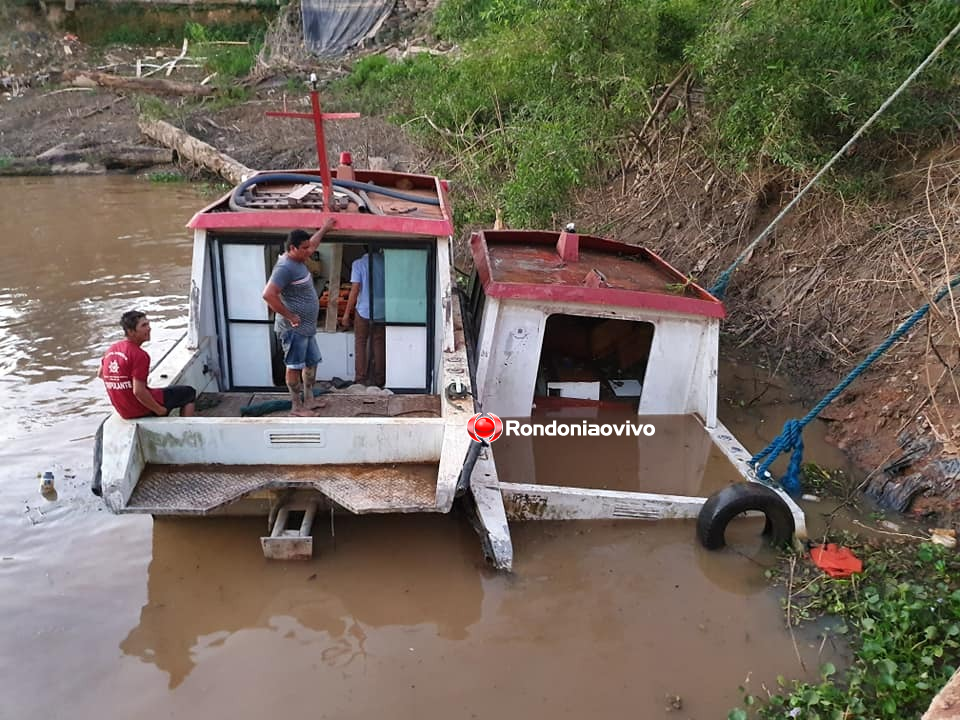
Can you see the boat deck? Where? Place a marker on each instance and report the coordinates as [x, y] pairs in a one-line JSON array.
[[204, 489], [338, 404]]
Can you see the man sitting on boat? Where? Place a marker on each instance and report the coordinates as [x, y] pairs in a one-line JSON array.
[[290, 293], [360, 295], [124, 371]]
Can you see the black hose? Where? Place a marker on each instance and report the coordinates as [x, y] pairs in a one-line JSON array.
[[473, 453], [389, 192], [237, 201], [236, 197]]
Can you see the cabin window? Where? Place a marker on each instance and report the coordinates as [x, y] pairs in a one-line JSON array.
[[594, 359], [404, 305]]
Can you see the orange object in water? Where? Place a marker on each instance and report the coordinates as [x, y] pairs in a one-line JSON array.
[[836, 561]]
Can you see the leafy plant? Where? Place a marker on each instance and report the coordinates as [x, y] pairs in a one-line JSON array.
[[228, 61], [903, 618], [165, 176], [790, 82]]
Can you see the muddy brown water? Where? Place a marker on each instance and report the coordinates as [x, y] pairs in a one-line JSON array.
[[104, 616]]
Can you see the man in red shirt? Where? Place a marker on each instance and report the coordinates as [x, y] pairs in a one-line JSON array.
[[124, 371]]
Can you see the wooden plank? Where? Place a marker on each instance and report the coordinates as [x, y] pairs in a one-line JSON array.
[[333, 287], [301, 192]]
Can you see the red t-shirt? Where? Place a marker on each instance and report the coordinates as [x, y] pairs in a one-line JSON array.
[[125, 362]]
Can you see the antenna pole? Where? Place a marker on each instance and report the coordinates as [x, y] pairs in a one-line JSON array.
[[321, 144], [318, 116]]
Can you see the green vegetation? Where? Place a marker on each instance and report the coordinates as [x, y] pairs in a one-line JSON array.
[[165, 176], [545, 93], [136, 24], [791, 81], [228, 61], [5, 162], [902, 618], [541, 95], [153, 108]]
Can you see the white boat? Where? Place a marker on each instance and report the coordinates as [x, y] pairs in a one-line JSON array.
[[556, 325]]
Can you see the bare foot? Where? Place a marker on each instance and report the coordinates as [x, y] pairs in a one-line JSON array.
[[301, 412], [317, 404]]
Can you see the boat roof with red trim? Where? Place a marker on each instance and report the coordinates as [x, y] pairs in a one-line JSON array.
[[418, 206], [567, 267]]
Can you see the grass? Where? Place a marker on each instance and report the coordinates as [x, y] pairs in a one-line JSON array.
[[902, 619], [790, 82], [133, 24], [534, 106], [545, 94], [165, 176], [228, 61]]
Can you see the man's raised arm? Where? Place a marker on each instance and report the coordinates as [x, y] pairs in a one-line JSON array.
[[317, 237]]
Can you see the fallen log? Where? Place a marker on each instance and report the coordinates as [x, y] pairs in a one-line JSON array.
[[189, 148], [92, 78], [111, 156], [25, 167], [12, 167]]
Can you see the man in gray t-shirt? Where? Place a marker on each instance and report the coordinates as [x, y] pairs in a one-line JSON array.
[[291, 295]]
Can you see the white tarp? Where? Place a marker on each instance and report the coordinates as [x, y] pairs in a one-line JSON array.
[[330, 27]]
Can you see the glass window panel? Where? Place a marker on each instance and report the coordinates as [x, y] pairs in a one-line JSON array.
[[250, 361], [245, 274], [405, 285]]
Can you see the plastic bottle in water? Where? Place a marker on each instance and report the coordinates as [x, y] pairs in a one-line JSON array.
[[46, 483]]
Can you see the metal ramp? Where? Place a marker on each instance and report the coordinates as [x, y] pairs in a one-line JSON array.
[[359, 488]]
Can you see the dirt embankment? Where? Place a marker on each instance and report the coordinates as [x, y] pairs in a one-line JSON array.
[[40, 110], [813, 300], [818, 295]]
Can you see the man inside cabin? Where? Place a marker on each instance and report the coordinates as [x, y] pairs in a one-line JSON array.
[[124, 371], [368, 326], [290, 293]]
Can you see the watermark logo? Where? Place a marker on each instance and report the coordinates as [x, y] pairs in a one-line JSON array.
[[484, 427], [488, 427]]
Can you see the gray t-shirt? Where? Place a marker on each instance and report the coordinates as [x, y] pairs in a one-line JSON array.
[[298, 294]]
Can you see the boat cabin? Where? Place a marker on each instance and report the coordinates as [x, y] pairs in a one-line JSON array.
[[240, 250], [396, 447]]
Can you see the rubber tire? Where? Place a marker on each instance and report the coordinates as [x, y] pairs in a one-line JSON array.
[[723, 506]]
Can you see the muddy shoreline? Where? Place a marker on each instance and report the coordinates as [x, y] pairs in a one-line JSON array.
[[779, 314]]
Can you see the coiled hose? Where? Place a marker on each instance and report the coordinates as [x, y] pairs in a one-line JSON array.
[[238, 204]]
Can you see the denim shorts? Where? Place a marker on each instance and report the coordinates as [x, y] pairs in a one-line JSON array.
[[299, 351]]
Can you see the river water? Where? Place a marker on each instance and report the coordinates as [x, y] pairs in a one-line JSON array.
[[116, 617]]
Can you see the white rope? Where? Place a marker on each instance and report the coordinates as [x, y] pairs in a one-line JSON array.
[[725, 277]]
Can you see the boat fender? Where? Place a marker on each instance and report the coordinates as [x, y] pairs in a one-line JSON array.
[[723, 506]]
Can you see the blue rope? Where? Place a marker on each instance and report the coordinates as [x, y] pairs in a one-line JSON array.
[[791, 437], [719, 288]]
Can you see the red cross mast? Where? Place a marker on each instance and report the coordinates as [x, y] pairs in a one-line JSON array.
[[318, 117]]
